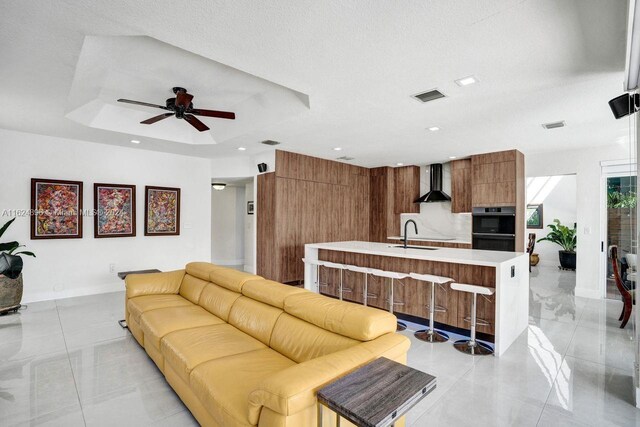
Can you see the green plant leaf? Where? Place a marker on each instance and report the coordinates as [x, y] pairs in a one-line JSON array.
[[9, 246], [5, 226], [28, 253], [561, 235]]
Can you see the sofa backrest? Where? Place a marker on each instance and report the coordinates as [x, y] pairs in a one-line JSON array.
[[297, 323]]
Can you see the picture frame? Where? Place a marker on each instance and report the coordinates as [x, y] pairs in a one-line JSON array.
[[114, 212], [162, 211], [56, 209], [250, 208], [534, 216]]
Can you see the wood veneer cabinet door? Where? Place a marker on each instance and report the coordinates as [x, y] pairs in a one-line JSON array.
[[407, 189], [461, 186]]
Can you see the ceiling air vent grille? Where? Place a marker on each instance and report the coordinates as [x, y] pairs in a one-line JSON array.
[[430, 95], [554, 125], [270, 142], [345, 158]]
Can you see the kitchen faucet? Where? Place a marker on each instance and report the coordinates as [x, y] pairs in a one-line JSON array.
[[415, 226]]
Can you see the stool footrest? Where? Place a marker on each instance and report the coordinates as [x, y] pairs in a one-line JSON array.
[[479, 321], [438, 308]]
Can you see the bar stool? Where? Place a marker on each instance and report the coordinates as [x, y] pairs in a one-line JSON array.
[[340, 268], [431, 335], [316, 263], [393, 276], [471, 346], [366, 271]]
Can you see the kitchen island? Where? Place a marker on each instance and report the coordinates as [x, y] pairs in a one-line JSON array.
[[506, 312]]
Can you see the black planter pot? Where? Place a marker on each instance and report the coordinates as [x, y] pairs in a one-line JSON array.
[[567, 260]]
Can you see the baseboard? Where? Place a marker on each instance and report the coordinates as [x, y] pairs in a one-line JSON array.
[[588, 293], [75, 292]]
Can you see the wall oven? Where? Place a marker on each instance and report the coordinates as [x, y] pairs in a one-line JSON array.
[[494, 228]]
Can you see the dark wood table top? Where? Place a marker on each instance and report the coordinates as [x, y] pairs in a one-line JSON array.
[[378, 393], [123, 274]]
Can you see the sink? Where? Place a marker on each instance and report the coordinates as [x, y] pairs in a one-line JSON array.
[[426, 248]]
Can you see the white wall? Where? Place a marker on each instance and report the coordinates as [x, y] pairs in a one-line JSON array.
[[71, 267], [249, 231], [228, 210], [435, 219], [586, 165], [560, 204]]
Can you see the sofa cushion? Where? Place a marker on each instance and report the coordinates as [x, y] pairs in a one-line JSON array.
[[301, 341], [254, 318], [191, 287], [223, 385], [269, 292], [201, 270], [139, 305], [218, 300], [344, 318], [230, 278], [157, 323], [188, 348]]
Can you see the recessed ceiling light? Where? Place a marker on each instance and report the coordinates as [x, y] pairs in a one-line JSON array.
[[241, 148], [434, 128], [452, 157], [337, 149], [135, 141], [399, 164], [466, 81]]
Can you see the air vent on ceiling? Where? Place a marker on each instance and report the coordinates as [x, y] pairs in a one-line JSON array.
[[270, 142], [430, 95], [554, 125], [345, 158]]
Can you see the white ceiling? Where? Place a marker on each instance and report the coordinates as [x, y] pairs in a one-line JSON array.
[[359, 62]]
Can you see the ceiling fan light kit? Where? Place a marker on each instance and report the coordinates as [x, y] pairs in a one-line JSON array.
[[182, 108]]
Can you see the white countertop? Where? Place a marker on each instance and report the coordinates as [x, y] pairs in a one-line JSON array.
[[428, 239], [456, 256]]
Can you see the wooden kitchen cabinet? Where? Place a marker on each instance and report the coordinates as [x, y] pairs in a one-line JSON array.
[[407, 189], [461, 186], [496, 178]]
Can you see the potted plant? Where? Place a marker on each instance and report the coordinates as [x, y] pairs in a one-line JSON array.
[[10, 272], [566, 238]]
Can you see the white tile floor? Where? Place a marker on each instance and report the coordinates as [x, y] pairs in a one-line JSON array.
[[68, 363]]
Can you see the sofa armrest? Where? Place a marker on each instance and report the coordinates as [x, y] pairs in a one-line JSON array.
[[153, 283], [294, 389]]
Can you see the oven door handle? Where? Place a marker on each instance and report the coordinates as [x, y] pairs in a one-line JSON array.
[[494, 235], [493, 214]]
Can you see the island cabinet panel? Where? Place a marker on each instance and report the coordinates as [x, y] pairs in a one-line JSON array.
[[461, 186], [412, 297], [430, 243]]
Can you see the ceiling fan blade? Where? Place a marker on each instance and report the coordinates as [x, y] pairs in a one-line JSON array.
[[145, 104], [195, 122], [214, 113], [152, 120], [183, 99]]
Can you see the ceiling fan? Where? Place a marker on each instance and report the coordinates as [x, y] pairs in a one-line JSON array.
[[182, 107]]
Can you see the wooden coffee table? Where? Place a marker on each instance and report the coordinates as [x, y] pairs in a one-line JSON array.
[[377, 394]]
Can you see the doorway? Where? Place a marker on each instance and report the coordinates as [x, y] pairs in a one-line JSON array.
[[620, 225], [233, 223]]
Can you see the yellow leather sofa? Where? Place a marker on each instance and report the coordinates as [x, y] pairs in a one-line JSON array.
[[240, 350]]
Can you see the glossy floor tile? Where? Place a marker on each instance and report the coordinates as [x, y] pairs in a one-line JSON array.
[[68, 363]]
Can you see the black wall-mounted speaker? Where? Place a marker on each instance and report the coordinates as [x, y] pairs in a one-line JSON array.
[[624, 105], [262, 167]]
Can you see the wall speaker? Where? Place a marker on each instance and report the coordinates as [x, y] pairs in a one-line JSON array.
[[624, 105], [262, 167]]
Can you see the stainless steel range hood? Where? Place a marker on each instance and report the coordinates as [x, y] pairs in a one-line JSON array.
[[435, 193]]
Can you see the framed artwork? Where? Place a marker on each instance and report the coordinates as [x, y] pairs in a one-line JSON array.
[[114, 210], [162, 211], [534, 216], [56, 209], [250, 208]]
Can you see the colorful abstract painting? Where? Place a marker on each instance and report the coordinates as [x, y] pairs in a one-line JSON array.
[[162, 211], [114, 210], [56, 209]]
